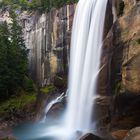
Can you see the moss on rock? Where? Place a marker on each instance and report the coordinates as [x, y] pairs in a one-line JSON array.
[[48, 89], [17, 103]]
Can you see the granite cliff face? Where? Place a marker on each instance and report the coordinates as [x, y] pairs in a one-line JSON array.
[[120, 59], [127, 49], [47, 37], [130, 35]]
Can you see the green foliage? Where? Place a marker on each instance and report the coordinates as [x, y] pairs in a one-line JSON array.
[[28, 85], [13, 58], [60, 3], [17, 103], [121, 8], [48, 89], [37, 4], [4, 50]]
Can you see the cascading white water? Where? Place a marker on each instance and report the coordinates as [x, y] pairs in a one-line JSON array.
[[50, 105], [86, 43]]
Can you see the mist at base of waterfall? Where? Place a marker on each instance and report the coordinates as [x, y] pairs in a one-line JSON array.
[[49, 130], [38, 131], [44, 131]]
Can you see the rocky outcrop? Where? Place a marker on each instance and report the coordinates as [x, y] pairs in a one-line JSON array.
[[47, 36]]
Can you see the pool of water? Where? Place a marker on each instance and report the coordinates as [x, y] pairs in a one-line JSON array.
[[42, 131], [35, 131]]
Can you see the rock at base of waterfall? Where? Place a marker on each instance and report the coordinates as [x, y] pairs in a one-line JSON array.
[[133, 134], [90, 136], [119, 134]]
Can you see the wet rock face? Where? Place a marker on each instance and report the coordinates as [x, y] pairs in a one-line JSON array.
[[47, 37], [103, 85], [100, 113]]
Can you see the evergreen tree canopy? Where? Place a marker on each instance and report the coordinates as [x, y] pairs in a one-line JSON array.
[[13, 58], [37, 4]]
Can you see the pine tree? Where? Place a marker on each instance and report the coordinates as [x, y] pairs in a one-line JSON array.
[[4, 52], [13, 58]]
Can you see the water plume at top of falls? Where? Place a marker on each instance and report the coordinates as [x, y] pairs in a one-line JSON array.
[[86, 43]]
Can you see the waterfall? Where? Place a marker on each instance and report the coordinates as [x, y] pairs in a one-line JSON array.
[[86, 49], [86, 43]]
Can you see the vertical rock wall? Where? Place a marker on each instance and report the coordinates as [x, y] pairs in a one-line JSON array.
[[123, 49], [120, 60], [130, 36], [47, 37]]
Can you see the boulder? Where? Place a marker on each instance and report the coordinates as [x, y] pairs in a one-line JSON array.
[[90, 136], [133, 134], [119, 134]]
